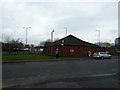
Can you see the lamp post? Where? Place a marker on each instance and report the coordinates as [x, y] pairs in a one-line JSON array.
[[66, 30], [52, 42], [2, 37], [26, 28], [98, 36]]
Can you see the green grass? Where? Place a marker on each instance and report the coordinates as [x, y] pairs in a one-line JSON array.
[[35, 57], [25, 57]]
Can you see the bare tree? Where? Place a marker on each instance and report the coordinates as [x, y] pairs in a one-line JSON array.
[[56, 39], [42, 43], [7, 39], [105, 44], [12, 45]]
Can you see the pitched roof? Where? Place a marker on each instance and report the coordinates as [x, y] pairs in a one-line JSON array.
[[71, 40]]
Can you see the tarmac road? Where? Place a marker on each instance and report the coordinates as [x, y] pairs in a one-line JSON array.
[[87, 73]]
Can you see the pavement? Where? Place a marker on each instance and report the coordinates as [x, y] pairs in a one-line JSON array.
[[83, 73]]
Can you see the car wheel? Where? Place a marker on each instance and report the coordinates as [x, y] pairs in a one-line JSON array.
[[102, 57], [109, 57]]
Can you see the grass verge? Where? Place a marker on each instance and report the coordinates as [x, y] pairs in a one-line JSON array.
[[35, 57]]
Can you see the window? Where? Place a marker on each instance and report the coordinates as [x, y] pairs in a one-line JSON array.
[[102, 52], [71, 50]]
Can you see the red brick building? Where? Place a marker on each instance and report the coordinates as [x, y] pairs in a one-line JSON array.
[[71, 46]]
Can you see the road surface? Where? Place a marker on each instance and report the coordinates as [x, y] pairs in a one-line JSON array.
[[89, 73]]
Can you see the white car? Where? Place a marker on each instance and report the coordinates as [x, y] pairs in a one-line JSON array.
[[101, 55]]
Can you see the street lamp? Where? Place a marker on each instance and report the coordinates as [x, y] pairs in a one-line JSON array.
[[98, 36], [66, 30], [52, 41], [26, 28], [2, 37]]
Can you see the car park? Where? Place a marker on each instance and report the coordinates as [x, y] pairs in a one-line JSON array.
[[101, 55]]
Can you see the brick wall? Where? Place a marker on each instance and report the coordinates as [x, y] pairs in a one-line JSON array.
[[71, 50]]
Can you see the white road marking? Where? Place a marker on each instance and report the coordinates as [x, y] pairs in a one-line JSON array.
[[107, 74]]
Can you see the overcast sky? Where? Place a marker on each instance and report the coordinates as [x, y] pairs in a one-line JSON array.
[[82, 19]]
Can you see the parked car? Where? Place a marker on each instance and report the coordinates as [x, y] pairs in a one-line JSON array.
[[101, 55]]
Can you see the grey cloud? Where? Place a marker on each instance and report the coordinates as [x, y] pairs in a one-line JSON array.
[[82, 19]]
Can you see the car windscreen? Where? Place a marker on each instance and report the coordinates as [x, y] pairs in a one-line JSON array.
[[96, 53], [102, 52]]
